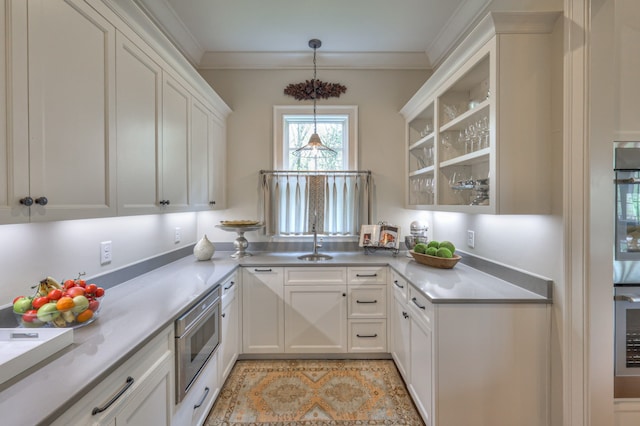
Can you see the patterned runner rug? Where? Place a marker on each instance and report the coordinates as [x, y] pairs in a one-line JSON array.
[[314, 393]]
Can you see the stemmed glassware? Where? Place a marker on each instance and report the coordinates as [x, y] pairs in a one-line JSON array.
[[475, 136], [422, 190]]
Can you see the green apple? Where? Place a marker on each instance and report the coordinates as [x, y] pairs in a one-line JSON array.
[[81, 303], [22, 305], [48, 312]]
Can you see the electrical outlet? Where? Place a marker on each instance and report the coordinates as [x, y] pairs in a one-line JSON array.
[[471, 238], [177, 236], [105, 252]]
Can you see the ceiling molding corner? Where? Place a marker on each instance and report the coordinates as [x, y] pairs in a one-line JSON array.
[[455, 29], [167, 20]]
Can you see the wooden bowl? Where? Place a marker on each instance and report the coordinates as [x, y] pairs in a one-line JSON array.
[[436, 262]]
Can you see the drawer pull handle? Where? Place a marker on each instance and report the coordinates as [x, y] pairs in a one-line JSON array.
[[397, 285], [230, 285], [366, 275], [405, 315], [262, 270], [366, 301], [415, 301], [127, 385], [367, 336], [206, 392]]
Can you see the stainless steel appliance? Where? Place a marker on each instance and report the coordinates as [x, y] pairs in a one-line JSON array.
[[197, 335], [627, 342], [626, 269], [418, 232]]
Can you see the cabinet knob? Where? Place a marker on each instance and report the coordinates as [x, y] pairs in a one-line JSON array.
[[42, 201], [344, 294], [223, 315], [26, 201]]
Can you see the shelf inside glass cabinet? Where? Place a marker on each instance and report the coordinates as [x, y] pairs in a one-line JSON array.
[[421, 126]]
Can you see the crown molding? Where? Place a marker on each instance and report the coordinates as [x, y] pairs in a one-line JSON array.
[[464, 18], [165, 18], [326, 60]]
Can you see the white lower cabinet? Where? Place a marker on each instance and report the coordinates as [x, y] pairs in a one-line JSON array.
[[367, 316], [315, 318], [400, 324], [367, 335], [480, 364], [314, 309], [262, 310], [139, 392], [627, 412], [196, 405], [421, 357], [230, 327]]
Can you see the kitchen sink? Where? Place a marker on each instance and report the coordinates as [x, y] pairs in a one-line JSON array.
[[22, 348], [315, 256]]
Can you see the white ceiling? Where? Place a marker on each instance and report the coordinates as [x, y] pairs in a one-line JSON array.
[[275, 33]]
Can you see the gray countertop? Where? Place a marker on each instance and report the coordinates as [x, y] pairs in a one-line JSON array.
[[134, 311]]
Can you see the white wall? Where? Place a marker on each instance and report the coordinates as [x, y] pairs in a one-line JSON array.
[[30, 252], [251, 94]]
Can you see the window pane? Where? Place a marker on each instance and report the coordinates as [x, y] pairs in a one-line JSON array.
[[333, 132]]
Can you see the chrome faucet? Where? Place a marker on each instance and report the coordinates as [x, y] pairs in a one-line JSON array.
[[315, 255], [316, 246]]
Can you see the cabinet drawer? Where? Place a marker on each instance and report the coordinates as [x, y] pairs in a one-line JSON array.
[[315, 276], [367, 275], [368, 302], [400, 286], [137, 367], [419, 304], [229, 288], [368, 335], [196, 405]]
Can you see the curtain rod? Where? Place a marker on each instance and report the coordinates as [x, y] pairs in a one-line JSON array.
[[315, 172]]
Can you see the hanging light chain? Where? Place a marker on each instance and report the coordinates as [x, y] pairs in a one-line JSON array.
[[315, 89]]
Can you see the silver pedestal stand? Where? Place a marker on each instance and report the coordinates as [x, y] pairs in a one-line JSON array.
[[241, 243]]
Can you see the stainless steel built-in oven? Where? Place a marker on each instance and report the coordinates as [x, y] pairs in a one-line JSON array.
[[197, 337], [627, 342], [626, 269]]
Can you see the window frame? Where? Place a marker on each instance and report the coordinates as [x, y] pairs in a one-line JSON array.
[[279, 111]]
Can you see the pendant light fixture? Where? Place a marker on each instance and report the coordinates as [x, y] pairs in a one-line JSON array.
[[314, 148]]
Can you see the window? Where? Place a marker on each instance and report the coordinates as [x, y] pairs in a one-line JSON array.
[[328, 194], [336, 126]]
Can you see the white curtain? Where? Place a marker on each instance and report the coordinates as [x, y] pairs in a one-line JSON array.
[[338, 203]]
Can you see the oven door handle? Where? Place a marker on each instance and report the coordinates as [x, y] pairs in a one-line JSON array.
[[627, 298]]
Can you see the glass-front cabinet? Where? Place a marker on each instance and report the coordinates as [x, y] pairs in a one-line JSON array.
[[479, 130]]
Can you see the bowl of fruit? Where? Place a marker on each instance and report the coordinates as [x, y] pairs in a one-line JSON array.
[[74, 303], [436, 254]]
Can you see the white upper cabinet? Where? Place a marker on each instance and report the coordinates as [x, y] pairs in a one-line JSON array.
[[99, 116], [62, 139], [218, 164], [479, 130], [174, 160], [14, 157], [139, 85], [208, 158]]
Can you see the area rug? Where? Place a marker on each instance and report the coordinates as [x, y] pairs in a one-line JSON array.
[[314, 393]]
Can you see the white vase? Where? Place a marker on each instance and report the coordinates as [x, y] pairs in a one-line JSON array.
[[204, 249]]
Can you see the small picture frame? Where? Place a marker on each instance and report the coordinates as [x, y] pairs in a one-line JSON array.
[[369, 235], [389, 236]]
